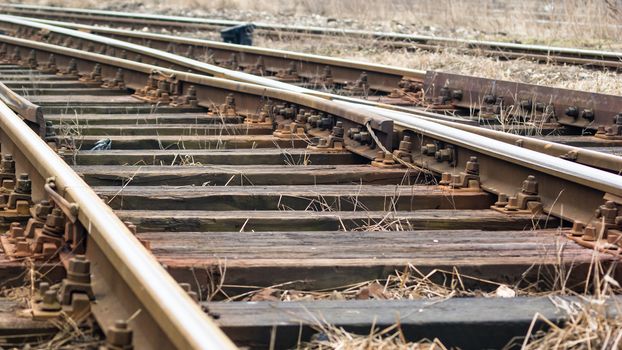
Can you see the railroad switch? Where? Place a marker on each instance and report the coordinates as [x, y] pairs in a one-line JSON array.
[[94, 77], [523, 202], [117, 82], [467, 180], [360, 87], [612, 132], [289, 74]]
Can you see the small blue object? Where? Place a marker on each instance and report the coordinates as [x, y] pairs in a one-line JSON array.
[[241, 34], [102, 145]]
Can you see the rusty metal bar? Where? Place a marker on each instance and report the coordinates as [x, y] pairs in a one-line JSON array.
[[570, 107], [126, 278]]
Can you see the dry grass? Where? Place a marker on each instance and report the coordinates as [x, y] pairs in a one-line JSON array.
[[408, 284], [336, 338], [590, 23]]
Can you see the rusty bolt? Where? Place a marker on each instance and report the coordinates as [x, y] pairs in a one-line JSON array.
[[7, 165], [512, 204], [572, 111], [55, 222], [608, 211], [119, 336], [79, 269], [23, 184], [577, 228], [455, 179], [526, 104], [43, 288], [429, 149], [16, 231], [405, 144], [444, 155], [445, 179], [457, 94], [379, 157], [388, 159], [502, 200], [353, 131], [489, 99], [589, 234], [472, 166], [617, 120], [338, 129], [587, 114], [50, 301], [530, 185]]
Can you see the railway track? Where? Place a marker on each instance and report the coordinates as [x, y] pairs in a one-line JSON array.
[[249, 196], [540, 53]]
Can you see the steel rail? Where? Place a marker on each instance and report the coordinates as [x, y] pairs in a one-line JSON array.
[[597, 58], [177, 320], [560, 177]]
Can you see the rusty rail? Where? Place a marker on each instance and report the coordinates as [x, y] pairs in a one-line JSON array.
[[126, 280]]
